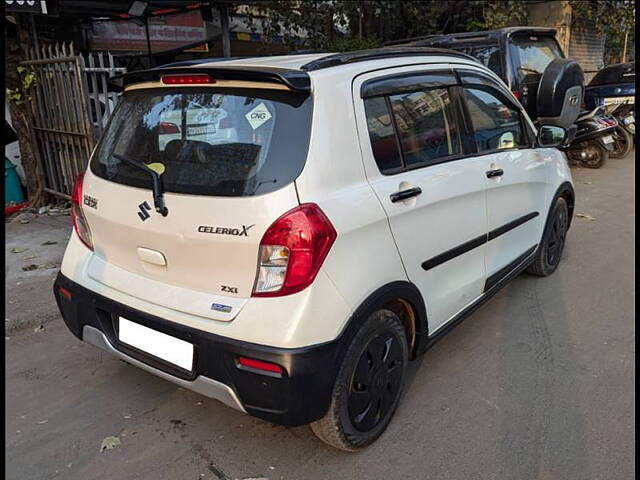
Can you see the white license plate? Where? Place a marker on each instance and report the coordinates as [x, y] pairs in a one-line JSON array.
[[616, 100], [608, 139], [168, 348], [201, 130]]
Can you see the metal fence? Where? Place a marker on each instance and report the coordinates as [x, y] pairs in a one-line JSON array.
[[69, 110]]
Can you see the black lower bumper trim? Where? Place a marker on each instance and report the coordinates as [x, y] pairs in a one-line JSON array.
[[300, 396]]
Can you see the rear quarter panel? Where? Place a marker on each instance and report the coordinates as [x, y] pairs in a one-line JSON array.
[[364, 256]]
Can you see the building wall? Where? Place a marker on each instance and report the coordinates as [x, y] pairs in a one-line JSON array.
[[587, 47], [579, 39]]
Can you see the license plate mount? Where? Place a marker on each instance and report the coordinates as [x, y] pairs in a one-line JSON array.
[[165, 347]]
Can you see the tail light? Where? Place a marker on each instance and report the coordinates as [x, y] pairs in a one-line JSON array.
[[516, 93], [168, 127], [77, 215], [292, 251]]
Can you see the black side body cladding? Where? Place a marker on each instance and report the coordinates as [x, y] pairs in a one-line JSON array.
[[476, 242]]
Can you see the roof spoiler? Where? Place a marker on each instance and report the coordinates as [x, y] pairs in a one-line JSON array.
[[295, 80]]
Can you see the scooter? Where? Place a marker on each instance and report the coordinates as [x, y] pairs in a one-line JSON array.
[[625, 134], [593, 140]]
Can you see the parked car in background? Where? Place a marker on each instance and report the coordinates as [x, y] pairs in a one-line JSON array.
[[530, 61], [614, 88], [518, 55]]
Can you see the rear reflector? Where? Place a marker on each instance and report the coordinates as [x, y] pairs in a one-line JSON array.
[[260, 365], [187, 79], [65, 293]]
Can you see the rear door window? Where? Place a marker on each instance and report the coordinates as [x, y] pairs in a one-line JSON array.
[[426, 125], [532, 54], [412, 129], [497, 126], [384, 142], [218, 142]]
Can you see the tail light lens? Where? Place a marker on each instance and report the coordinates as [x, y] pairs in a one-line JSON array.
[[77, 215], [516, 94], [292, 251], [168, 127]]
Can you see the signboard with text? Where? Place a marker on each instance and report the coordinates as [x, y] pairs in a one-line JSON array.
[[166, 32]]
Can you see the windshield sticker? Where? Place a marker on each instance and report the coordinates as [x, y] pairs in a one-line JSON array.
[[157, 167], [258, 116]]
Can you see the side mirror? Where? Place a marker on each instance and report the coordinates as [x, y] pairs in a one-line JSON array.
[[551, 136]]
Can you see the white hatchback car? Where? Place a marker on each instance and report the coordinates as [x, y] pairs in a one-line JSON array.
[[365, 203]]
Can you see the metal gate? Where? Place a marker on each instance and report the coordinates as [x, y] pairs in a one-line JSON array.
[[69, 109]]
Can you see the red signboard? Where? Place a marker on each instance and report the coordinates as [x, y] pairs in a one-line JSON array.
[[166, 32]]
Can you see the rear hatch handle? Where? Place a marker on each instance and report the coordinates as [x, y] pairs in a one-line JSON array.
[[158, 196]]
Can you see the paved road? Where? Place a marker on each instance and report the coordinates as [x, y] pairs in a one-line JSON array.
[[537, 384]]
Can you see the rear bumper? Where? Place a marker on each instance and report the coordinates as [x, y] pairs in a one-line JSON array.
[[301, 395]]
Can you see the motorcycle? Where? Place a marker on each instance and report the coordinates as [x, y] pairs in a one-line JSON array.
[[593, 139]]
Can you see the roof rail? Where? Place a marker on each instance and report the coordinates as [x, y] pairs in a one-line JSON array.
[[404, 41], [377, 54]]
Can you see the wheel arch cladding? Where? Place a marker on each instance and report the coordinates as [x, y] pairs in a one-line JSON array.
[[565, 190], [396, 296]]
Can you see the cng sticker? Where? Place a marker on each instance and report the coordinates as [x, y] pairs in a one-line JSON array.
[[258, 116]]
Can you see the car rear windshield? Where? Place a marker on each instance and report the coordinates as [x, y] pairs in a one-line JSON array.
[[533, 54], [622, 73], [218, 142]]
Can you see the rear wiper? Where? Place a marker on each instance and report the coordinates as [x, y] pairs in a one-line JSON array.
[[158, 197]]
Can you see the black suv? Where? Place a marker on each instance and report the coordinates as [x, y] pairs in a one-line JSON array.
[[518, 55]]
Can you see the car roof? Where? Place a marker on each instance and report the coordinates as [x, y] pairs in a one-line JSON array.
[[478, 36], [317, 61], [290, 70]]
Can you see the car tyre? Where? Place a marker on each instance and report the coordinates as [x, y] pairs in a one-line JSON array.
[[368, 386], [552, 245]]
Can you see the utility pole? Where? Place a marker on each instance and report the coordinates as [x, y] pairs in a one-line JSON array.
[[624, 49], [224, 25], [146, 29]]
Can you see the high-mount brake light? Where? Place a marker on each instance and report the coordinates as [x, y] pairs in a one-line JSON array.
[[292, 251], [80, 223], [193, 79]]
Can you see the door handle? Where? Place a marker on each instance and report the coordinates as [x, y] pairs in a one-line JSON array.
[[405, 194], [498, 172]]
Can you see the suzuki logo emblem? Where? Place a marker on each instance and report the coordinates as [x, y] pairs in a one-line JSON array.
[[144, 211]]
